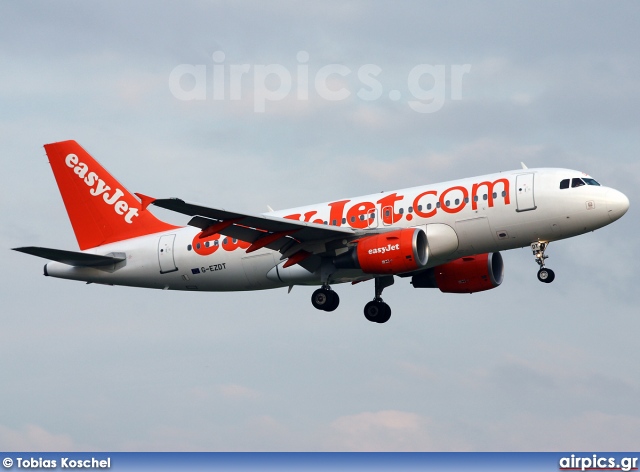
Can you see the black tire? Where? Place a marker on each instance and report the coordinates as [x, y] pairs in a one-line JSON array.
[[552, 276], [321, 298], [377, 311], [386, 313], [546, 276], [334, 301]]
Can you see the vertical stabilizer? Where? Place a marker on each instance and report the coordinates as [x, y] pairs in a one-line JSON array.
[[101, 209]]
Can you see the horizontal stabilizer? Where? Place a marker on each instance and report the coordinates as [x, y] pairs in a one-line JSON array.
[[72, 258]]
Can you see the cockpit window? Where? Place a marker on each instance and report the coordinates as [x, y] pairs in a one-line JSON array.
[[591, 182], [576, 182], [564, 183]]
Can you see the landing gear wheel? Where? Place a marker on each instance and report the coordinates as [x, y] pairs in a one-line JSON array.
[[334, 301], [546, 275], [377, 311], [325, 299]]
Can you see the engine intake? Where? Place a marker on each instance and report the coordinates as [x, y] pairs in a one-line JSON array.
[[395, 252], [465, 275]]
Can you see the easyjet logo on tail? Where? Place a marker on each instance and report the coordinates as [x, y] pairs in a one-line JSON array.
[[98, 187]]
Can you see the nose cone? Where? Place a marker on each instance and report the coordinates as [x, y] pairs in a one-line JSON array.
[[617, 204]]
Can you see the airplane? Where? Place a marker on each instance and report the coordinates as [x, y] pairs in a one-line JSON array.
[[447, 235]]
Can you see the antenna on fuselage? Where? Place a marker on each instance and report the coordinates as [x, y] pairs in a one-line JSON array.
[[523, 166]]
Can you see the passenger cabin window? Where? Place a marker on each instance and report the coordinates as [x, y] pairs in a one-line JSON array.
[[575, 182], [564, 184]]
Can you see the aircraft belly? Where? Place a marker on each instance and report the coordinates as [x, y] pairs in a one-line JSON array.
[[224, 272]]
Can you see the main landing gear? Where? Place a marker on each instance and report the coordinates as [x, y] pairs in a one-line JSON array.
[[376, 311], [544, 275], [325, 299]]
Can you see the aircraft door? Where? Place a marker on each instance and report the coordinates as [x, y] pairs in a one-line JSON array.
[[165, 253], [525, 199]]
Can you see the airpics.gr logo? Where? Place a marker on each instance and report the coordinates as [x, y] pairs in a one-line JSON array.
[[99, 187], [387, 248]]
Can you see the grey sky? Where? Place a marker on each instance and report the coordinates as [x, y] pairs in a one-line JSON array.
[[522, 367]]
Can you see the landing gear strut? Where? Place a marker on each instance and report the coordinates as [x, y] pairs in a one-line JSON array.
[[376, 310], [325, 299], [544, 275]]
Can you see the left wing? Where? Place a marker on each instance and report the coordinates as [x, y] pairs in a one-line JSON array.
[[290, 237]]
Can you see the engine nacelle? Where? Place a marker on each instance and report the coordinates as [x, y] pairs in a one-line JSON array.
[[395, 252], [465, 275]]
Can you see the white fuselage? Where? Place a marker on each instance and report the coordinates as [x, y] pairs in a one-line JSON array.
[[463, 217]]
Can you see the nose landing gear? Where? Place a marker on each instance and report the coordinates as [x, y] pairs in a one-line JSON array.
[[544, 275]]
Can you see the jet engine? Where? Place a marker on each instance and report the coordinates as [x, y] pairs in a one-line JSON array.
[[465, 275], [395, 252]]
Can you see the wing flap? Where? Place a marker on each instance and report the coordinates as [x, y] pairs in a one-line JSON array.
[[243, 233]]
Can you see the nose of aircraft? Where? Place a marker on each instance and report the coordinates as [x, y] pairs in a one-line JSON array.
[[617, 204]]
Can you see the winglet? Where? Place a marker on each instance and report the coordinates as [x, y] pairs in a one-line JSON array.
[[145, 200], [523, 165]]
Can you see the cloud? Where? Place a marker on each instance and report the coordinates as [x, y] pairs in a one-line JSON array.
[[587, 431], [34, 438], [237, 391], [391, 430]]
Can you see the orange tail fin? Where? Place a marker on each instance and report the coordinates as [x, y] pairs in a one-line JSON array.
[[101, 210]]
